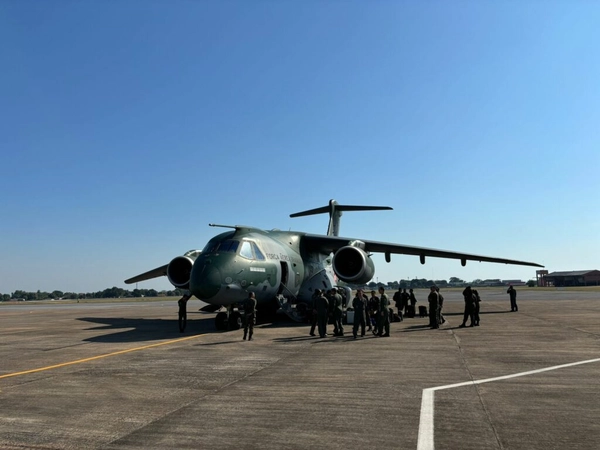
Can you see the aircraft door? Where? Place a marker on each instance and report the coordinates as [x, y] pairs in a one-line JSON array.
[[285, 272]]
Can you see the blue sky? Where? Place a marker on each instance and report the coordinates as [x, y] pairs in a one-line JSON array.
[[126, 127]]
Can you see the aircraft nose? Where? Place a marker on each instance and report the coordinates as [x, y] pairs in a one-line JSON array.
[[205, 281]]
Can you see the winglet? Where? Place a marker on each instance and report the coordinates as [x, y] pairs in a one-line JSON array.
[[335, 212]]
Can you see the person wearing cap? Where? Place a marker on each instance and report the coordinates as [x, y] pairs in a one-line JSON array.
[[322, 314], [250, 315], [469, 307], [338, 312], [513, 298], [384, 314], [434, 305], [359, 303], [313, 317]]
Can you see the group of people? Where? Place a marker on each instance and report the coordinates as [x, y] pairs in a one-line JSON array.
[[405, 302], [375, 311], [324, 305], [472, 300]]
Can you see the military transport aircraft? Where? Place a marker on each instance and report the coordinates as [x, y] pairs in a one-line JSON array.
[[283, 268]]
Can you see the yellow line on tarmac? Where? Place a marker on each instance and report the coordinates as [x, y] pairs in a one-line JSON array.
[[79, 361]]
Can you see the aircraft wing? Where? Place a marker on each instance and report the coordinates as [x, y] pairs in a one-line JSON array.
[[154, 273], [334, 243]]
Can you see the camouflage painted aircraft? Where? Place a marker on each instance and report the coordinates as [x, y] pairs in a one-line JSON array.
[[283, 268]]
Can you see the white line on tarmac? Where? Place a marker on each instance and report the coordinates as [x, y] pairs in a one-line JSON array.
[[425, 438]]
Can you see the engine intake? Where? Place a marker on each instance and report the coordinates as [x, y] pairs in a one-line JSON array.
[[353, 265], [179, 271]]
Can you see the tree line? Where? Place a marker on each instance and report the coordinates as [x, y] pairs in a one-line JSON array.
[[113, 292]]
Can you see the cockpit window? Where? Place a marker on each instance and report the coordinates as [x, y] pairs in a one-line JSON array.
[[210, 247], [250, 250], [257, 253], [228, 246], [246, 250]]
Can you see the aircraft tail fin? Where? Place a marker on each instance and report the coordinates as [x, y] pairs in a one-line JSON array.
[[335, 212]]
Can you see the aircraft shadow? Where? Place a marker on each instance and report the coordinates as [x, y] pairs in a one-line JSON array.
[[144, 330]]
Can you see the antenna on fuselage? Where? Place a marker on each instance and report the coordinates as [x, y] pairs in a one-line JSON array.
[[335, 212]]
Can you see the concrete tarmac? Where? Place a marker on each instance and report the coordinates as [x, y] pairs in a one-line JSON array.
[[121, 376]]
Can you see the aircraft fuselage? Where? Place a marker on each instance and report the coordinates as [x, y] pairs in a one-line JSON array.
[[268, 263]]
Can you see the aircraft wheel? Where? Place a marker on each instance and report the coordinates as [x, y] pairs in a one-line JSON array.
[[235, 321], [221, 321]]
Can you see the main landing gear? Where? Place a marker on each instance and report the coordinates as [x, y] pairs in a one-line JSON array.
[[228, 320]]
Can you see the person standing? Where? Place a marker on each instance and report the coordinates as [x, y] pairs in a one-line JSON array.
[[405, 301], [313, 317], [384, 314], [434, 302], [468, 295], [249, 315], [322, 314], [441, 319], [476, 300], [373, 309], [398, 303], [359, 303], [513, 298], [338, 312]]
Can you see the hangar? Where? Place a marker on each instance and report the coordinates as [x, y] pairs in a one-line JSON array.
[[573, 278]]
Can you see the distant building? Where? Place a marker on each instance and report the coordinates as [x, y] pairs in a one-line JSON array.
[[573, 278], [513, 282]]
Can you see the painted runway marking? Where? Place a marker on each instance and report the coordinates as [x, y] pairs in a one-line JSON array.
[[93, 358], [425, 438]]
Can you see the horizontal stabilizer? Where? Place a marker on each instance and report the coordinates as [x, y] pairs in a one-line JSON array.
[[335, 212], [326, 209], [154, 273]]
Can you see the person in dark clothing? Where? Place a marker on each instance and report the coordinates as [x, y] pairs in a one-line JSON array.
[[476, 300], [337, 312], [384, 314], [313, 317], [249, 315], [405, 300], [513, 298], [412, 298], [469, 307], [360, 307], [322, 314], [441, 318], [433, 299], [373, 308], [398, 303]]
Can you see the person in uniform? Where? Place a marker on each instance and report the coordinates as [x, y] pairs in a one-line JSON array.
[[384, 314], [405, 300], [359, 303], [373, 308], [322, 313], [338, 312], [468, 295], [441, 318], [513, 298], [434, 304], [398, 302], [313, 317], [412, 298], [249, 315], [476, 300]]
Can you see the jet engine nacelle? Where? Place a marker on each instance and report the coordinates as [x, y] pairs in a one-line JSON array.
[[179, 269], [353, 265]]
